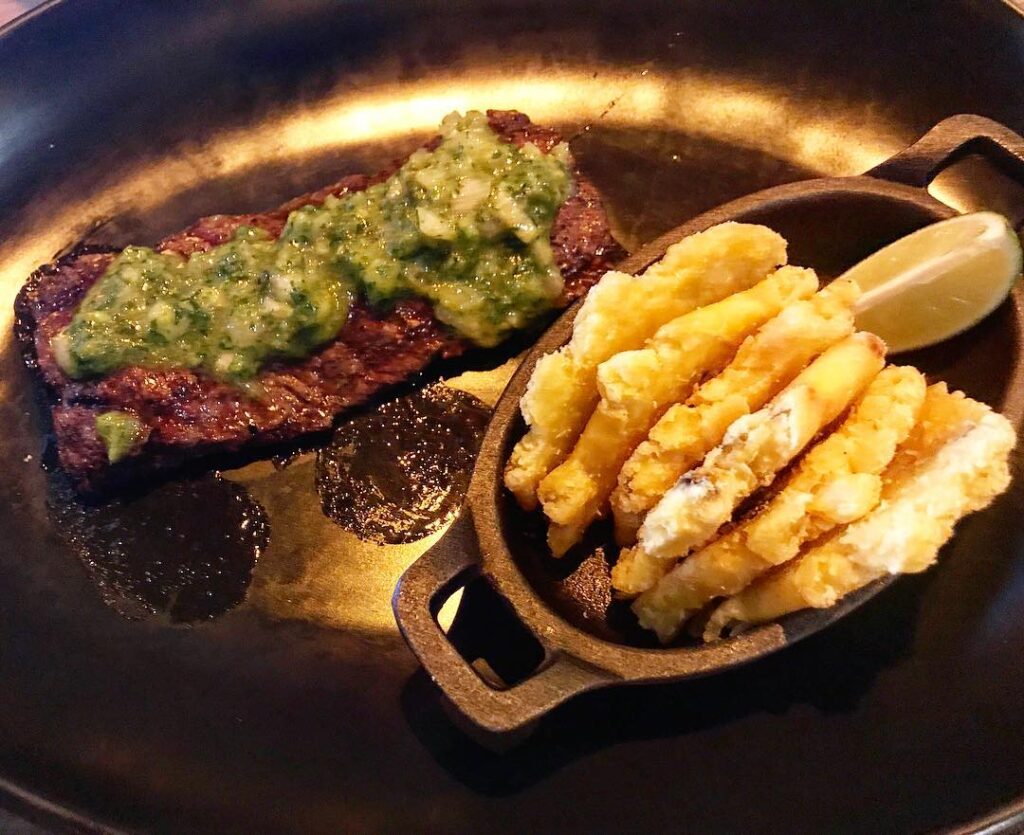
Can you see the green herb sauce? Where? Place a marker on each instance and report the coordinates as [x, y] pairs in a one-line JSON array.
[[120, 431], [466, 226]]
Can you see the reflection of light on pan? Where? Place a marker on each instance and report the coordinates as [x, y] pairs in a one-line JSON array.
[[317, 572], [815, 136], [745, 115], [446, 614], [1001, 610], [15, 132], [352, 592], [973, 184]]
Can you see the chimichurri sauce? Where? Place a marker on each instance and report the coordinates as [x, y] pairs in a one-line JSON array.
[[466, 226]]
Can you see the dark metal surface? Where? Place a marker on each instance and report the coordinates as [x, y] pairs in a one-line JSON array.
[[301, 709]]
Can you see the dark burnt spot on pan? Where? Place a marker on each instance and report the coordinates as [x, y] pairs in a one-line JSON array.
[[182, 551], [399, 472]]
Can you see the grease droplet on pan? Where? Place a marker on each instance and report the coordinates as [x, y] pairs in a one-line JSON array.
[[183, 550], [400, 472]]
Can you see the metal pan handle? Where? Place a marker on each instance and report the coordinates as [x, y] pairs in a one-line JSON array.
[[950, 140], [499, 713]]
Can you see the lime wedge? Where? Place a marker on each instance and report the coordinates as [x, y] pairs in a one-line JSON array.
[[937, 281]]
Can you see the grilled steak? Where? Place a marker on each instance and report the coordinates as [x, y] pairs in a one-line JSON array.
[[186, 414]]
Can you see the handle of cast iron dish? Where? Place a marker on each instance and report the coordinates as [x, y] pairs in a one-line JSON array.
[[951, 140], [422, 589]]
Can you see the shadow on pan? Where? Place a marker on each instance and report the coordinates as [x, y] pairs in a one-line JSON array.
[[829, 672]]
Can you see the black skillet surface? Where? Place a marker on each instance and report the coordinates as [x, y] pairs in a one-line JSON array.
[[219, 654]]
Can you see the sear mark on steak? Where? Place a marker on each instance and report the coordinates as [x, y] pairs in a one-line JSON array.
[[185, 414]]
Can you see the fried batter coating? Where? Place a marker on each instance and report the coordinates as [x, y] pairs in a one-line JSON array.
[[837, 482], [620, 313], [765, 363], [636, 387], [755, 448], [954, 465]]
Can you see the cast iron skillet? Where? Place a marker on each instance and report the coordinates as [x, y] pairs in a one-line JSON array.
[[829, 223]]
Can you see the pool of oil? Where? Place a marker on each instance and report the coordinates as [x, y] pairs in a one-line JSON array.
[[399, 472], [182, 551]]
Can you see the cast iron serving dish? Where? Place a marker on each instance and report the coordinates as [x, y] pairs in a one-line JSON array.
[[217, 652], [823, 220]]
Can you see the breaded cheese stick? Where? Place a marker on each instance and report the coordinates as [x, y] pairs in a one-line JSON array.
[[636, 386], [926, 494], [754, 449], [619, 314], [764, 364], [837, 482]]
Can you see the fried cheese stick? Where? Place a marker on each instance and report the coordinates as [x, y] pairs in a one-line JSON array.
[[837, 482], [927, 492], [763, 365], [619, 314], [754, 449], [636, 386]]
